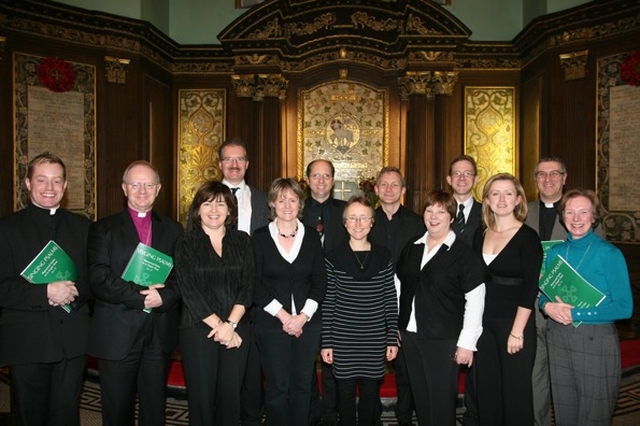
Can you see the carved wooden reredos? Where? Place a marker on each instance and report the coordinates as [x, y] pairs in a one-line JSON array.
[[414, 54]]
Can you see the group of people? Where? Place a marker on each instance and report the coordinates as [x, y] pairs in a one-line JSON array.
[[263, 283]]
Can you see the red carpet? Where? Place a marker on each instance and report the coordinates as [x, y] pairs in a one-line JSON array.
[[630, 350]]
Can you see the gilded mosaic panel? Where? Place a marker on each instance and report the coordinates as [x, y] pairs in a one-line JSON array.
[[201, 132], [54, 111], [618, 152], [345, 122], [490, 131]]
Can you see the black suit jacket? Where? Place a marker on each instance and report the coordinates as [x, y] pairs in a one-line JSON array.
[[118, 316], [259, 209], [473, 223], [410, 226], [31, 331]]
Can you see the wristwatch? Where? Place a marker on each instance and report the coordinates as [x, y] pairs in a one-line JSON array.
[[234, 325]]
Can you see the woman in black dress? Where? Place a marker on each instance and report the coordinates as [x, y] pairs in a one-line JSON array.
[[359, 315], [506, 350], [215, 271]]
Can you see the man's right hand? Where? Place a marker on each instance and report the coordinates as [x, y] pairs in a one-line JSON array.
[[61, 292]]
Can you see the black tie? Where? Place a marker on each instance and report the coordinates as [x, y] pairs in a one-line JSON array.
[[460, 218], [233, 191]]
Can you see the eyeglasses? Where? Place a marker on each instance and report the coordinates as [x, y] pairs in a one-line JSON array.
[[137, 185], [466, 175], [354, 219], [229, 160], [318, 176], [554, 174]]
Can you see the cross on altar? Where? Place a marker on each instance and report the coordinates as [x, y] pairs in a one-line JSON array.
[[343, 190]]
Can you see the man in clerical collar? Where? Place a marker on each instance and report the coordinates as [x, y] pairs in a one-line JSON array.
[[253, 209], [134, 328], [550, 174], [44, 329]]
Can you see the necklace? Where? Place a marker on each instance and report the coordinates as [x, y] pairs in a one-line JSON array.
[[363, 263], [581, 259], [291, 235]]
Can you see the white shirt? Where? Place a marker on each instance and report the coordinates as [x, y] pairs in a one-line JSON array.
[[310, 306], [243, 195], [474, 305]]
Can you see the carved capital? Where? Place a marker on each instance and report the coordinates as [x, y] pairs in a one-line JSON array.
[[444, 81], [244, 85], [428, 83], [259, 86], [116, 69], [271, 85], [3, 43], [574, 64]]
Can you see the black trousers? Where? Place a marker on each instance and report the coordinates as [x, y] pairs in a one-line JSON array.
[[369, 390], [252, 393], [287, 363], [48, 394], [143, 372], [434, 378], [504, 390], [213, 376], [404, 402]]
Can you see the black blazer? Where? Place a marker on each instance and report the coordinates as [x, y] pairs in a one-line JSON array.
[[118, 316], [31, 331], [259, 209], [305, 278], [473, 223]]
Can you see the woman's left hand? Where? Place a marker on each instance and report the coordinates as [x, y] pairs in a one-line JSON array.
[[392, 352], [514, 343]]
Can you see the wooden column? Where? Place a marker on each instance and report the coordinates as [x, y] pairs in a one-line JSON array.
[[426, 124]]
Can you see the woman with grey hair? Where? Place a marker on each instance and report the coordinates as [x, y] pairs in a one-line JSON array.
[[584, 360]]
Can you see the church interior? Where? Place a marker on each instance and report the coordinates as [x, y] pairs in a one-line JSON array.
[[366, 84]]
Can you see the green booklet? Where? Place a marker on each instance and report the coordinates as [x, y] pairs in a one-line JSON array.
[[546, 246], [562, 280], [147, 266], [50, 265]]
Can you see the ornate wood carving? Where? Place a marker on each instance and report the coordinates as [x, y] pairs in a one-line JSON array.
[[574, 64], [116, 69]]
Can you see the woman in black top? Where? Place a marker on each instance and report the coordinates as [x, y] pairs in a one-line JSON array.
[[290, 285], [506, 350], [441, 304], [215, 271]]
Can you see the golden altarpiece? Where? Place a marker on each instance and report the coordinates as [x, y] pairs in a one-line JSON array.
[[364, 84]]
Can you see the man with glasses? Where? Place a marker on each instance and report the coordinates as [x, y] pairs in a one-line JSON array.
[[551, 175], [133, 345], [253, 213], [324, 213], [463, 176], [395, 225], [253, 210]]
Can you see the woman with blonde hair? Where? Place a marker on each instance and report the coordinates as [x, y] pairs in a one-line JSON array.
[[506, 350]]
